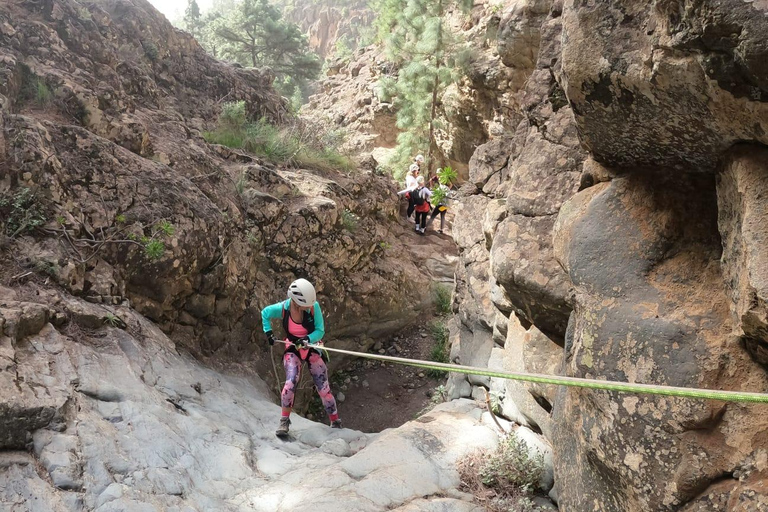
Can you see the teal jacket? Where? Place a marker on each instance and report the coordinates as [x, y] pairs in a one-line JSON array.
[[275, 311]]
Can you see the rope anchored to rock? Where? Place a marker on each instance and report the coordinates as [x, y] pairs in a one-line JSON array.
[[606, 385]]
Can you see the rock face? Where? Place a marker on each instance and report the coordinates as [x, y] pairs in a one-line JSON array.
[[115, 419], [623, 238], [326, 23]]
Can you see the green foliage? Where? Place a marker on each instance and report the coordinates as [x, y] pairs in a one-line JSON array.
[[83, 13], [342, 50], [447, 175], [22, 211], [241, 182], [511, 466], [385, 245], [150, 50], [438, 195], [302, 144], [43, 95], [254, 33], [430, 57], [505, 478], [192, 21], [46, 267], [349, 220], [120, 218], [441, 297], [233, 115], [112, 320], [440, 350], [154, 249], [166, 228]]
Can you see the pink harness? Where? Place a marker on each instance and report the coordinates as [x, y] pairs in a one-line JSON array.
[[299, 331]]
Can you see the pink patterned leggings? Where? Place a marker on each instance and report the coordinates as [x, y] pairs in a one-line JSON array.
[[319, 372]]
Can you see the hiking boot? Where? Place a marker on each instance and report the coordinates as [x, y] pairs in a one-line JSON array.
[[336, 424], [282, 430]]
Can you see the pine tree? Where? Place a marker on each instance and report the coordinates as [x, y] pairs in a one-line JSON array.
[[253, 33], [430, 59], [192, 19]]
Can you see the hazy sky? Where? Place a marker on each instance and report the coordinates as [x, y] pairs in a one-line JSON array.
[[175, 8]]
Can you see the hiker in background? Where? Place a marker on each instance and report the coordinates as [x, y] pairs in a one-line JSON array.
[[304, 328], [410, 183], [421, 197], [440, 193]]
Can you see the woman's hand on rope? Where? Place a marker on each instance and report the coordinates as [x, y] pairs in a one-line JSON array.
[[270, 338]]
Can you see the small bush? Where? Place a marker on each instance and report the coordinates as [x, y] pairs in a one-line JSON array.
[[447, 175], [233, 115], [43, 95], [150, 50], [441, 296], [349, 220], [22, 212], [504, 479], [304, 144], [440, 350], [154, 249]]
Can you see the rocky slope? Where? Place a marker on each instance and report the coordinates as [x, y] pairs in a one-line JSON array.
[[96, 417], [117, 151], [618, 233]]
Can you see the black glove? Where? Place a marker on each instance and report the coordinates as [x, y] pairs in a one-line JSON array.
[[270, 338], [302, 342]]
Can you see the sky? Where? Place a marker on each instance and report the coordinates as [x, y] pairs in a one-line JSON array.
[[175, 8]]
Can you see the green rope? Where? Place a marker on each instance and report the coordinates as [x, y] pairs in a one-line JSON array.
[[624, 387]]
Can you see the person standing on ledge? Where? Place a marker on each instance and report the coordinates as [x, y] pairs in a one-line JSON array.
[[304, 328]]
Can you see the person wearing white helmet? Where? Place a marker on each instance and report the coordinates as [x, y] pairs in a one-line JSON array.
[[410, 183], [304, 328]]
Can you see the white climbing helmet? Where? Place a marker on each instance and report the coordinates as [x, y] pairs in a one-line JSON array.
[[302, 293], [413, 168], [419, 158]]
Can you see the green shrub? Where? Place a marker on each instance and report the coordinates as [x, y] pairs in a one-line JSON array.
[[506, 478], [441, 297], [305, 145], [22, 211], [349, 220], [511, 466], [154, 249], [43, 95], [150, 50], [166, 228], [233, 115], [447, 175], [440, 352]]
